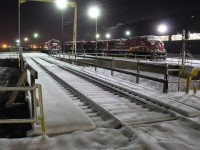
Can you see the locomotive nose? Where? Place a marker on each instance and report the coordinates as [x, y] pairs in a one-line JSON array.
[[160, 46]]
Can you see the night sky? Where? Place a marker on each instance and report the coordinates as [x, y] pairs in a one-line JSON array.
[[45, 18]]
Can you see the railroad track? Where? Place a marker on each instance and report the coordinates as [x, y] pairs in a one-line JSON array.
[[107, 105]]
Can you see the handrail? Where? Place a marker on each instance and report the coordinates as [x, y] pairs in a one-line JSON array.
[[35, 117], [22, 80], [138, 75]]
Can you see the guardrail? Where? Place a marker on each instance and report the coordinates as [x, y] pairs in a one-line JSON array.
[[34, 118], [35, 90], [9, 55], [138, 75], [135, 56], [125, 55], [188, 80]]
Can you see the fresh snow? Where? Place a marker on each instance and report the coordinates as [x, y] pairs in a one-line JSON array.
[[61, 114], [171, 135]]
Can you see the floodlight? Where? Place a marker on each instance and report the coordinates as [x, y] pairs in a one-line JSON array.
[[162, 28], [108, 35], [61, 4], [94, 12]]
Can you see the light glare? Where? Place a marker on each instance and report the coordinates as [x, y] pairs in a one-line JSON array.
[[25, 39], [35, 35], [94, 12], [162, 28], [5, 46], [128, 33], [61, 4], [97, 36], [18, 41], [108, 35]]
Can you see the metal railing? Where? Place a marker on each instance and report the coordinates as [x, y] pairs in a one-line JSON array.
[[14, 51], [138, 75], [9, 55], [34, 117], [34, 89], [188, 80], [125, 55]]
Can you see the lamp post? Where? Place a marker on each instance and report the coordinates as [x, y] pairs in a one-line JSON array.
[[62, 4], [36, 35], [94, 13], [19, 32]]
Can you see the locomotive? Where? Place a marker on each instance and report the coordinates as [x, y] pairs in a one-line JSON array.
[[141, 45], [52, 46]]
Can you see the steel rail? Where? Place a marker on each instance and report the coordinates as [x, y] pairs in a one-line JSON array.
[[134, 99]]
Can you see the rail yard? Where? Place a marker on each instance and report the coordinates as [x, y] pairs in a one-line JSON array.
[[78, 100], [118, 75]]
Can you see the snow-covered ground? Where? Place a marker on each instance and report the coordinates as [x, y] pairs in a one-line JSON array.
[[172, 135]]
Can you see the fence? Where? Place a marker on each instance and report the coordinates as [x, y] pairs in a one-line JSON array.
[[138, 75]]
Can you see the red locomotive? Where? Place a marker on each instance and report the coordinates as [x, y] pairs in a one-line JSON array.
[[141, 45], [146, 45], [52, 46]]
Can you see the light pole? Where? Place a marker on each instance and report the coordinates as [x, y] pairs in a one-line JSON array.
[[19, 32], [36, 35], [62, 4], [94, 13]]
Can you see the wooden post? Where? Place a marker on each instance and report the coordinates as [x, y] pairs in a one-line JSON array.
[[96, 62], [194, 88], [112, 65], [188, 84], [32, 97], [84, 59], [199, 85], [69, 57], [138, 73], [75, 60], [14, 94], [165, 86]]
